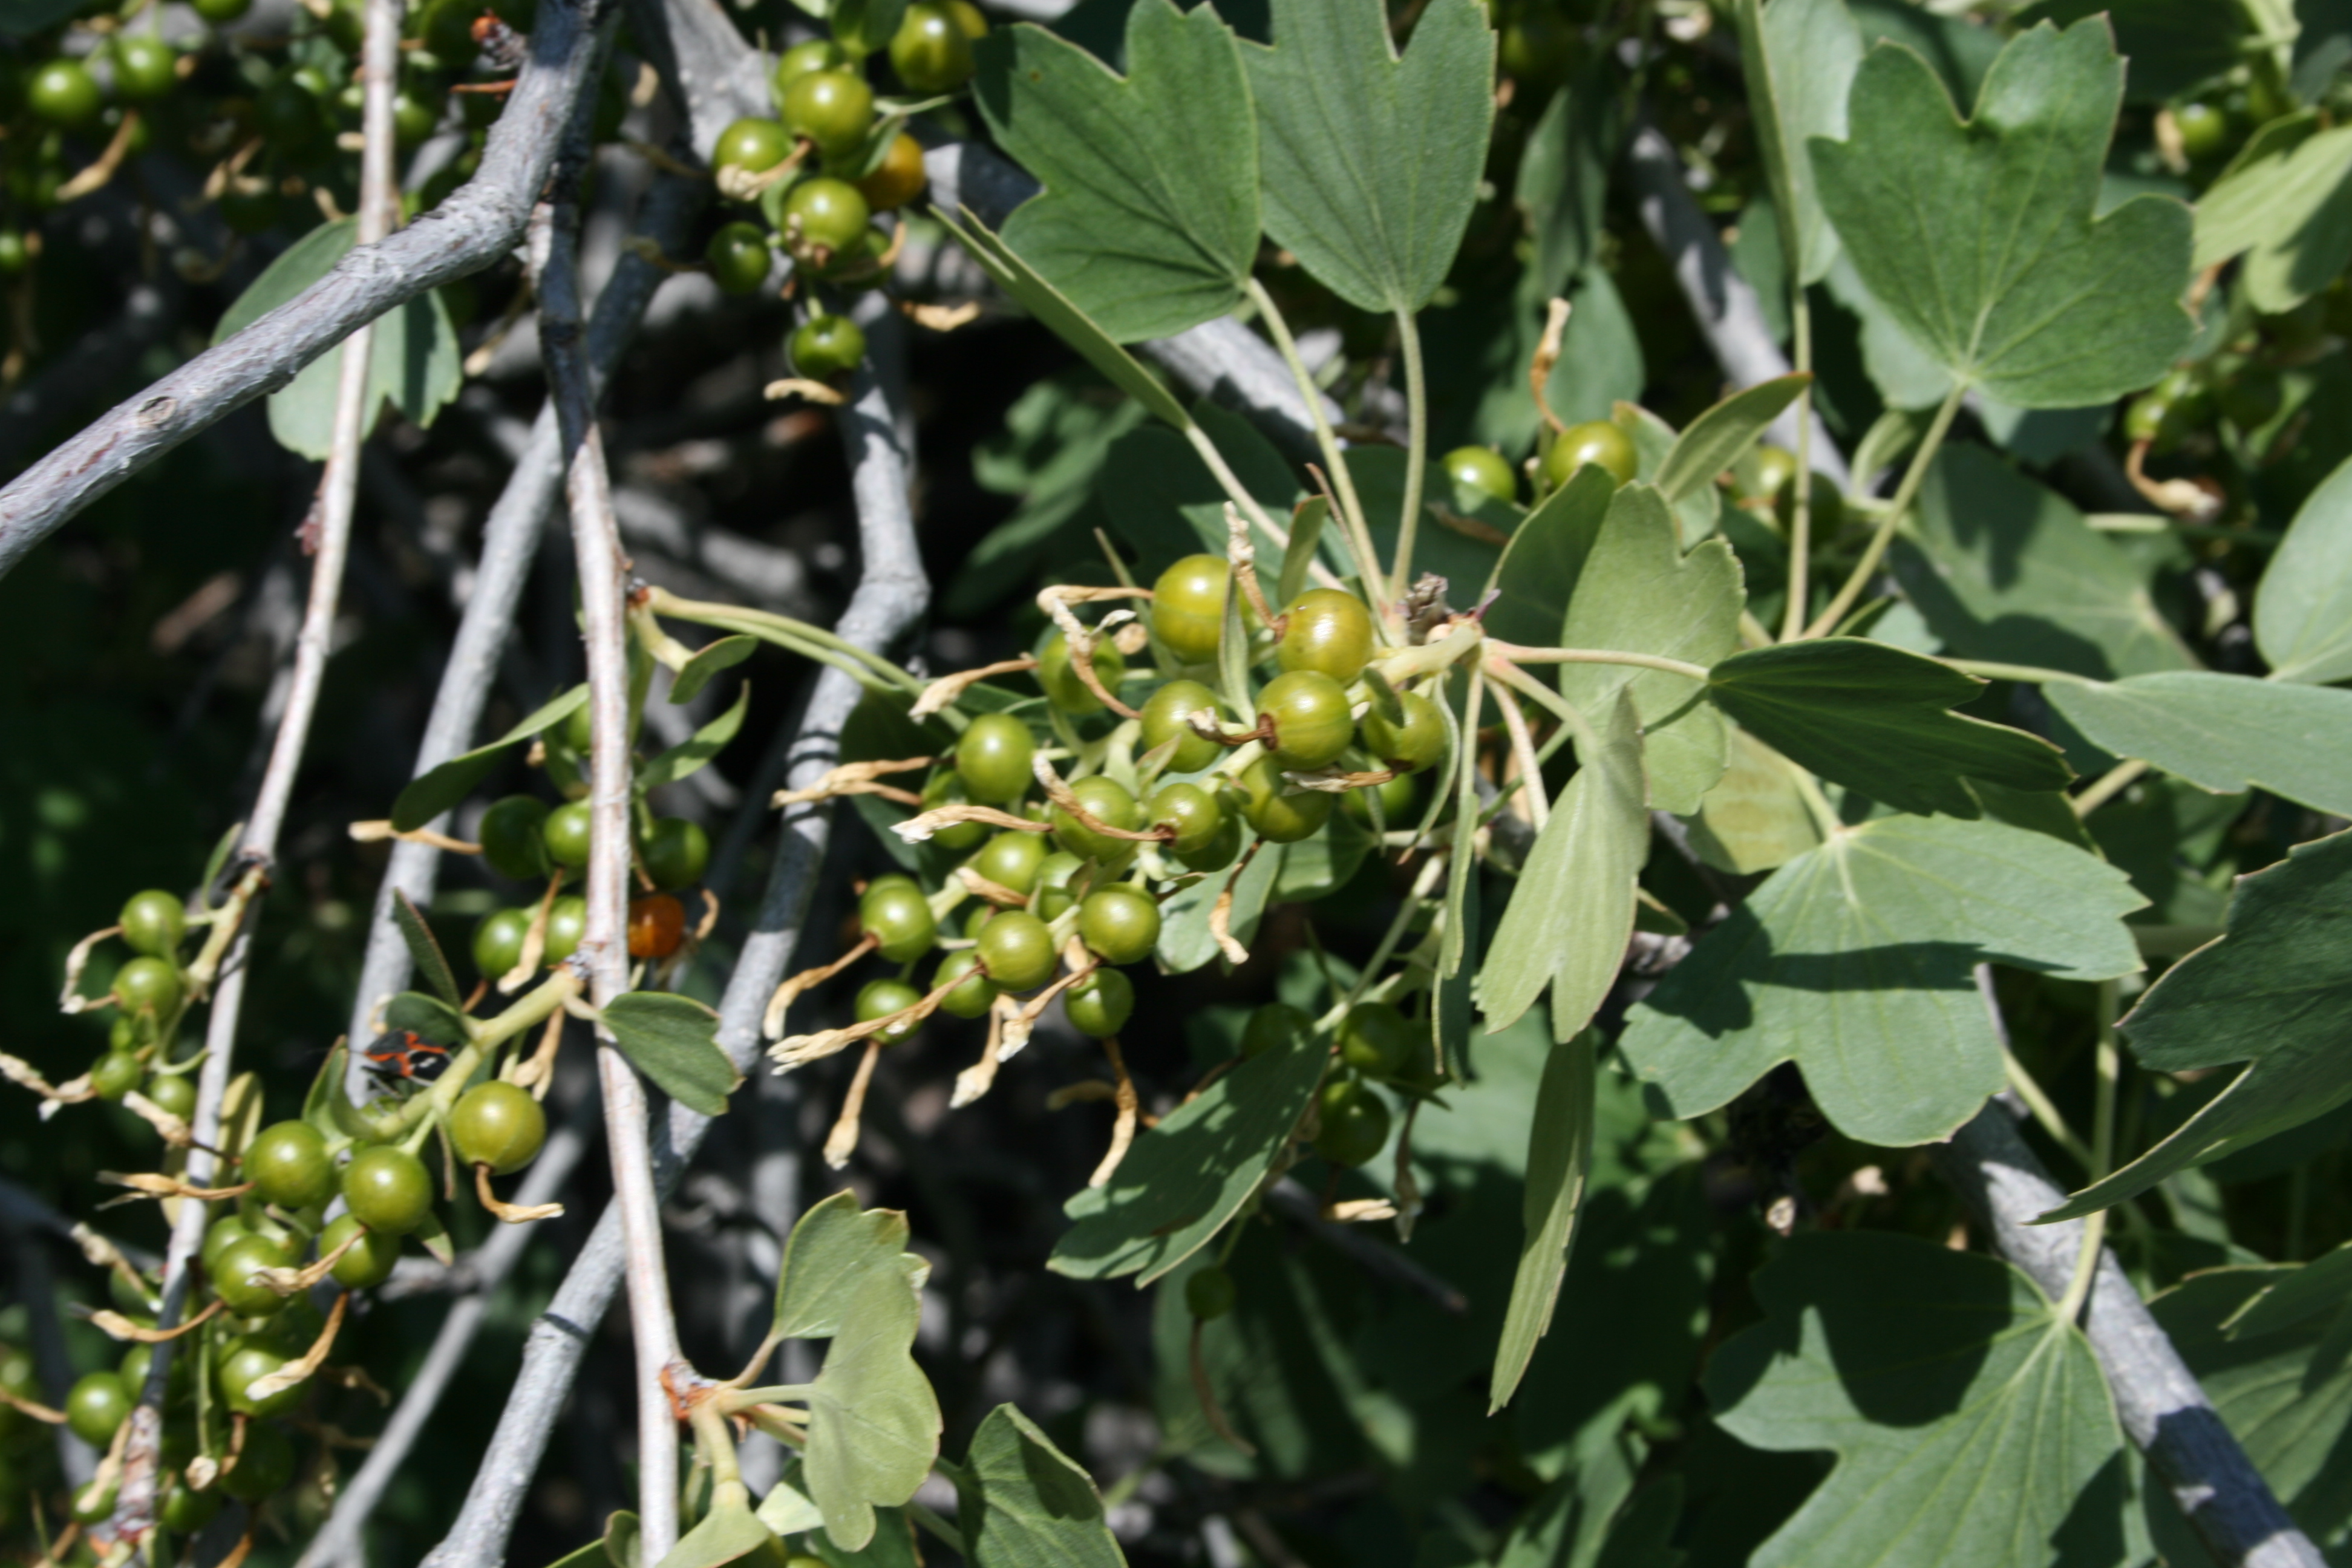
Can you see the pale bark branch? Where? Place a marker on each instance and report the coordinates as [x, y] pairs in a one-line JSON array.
[[480, 223], [891, 596]]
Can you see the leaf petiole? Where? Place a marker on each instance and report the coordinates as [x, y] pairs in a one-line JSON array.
[[1881, 536]]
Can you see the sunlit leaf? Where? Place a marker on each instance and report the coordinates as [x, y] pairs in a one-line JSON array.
[[1023, 1503], [2223, 732], [1371, 161], [708, 660], [674, 1041], [437, 789], [692, 755], [1979, 236], [2302, 612], [1800, 57], [874, 1422], [1856, 961], [424, 950], [2275, 992], [831, 1248], [1639, 593], [1877, 719], [1936, 1376], [1149, 221]]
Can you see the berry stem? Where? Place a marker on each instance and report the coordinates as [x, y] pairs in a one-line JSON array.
[[1350, 511]]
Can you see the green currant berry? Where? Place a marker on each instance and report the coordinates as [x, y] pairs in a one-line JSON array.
[[970, 17], [116, 1073], [186, 1511], [898, 179], [414, 118], [568, 834], [1278, 814], [754, 147], [1010, 859], [2148, 418], [289, 1165], [218, 12], [1355, 1123], [2204, 129], [1192, 811], [14, 254], [676, 852], [145, 67], [1064, 686], [1479, 474], [567, 923], [930, 51], [823, 347], [1377, 1041], [1056, 893], [1209, 1293], [1823, 502], [89, 1509], [387, 1190], [64, 93], [1769, 471], [513, 835], [1219, 852], [580, 730], [248, 1365], [174, 1093], [1018, 951], [289, 115], [974, 994], [264, 1465], [879, 999], [148, 984], [370, 1260], [1100, 1005], [498, 940], [1327, 631], [739, 257], [237, 1278], [96, 1405], [1277, 1025], [898, 917], [500, 1125], [1396, 797], [801, 59], [1308, 714], [993, 758], [1188, 607], [1408, 747], [230, 1228], [1108, 802], [1120, 923], [1598, 442], [945, 789], [834, 108], [829, 216], [1163, 719], [140, 1359]]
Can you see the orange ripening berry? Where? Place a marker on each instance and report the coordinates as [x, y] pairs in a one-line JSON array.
[[657, 926]]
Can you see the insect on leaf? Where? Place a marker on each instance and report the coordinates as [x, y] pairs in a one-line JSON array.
[[1149, 221], [1979, 236]]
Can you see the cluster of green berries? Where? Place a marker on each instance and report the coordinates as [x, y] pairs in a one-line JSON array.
[[865, 165], [526, 841], [150, 992]]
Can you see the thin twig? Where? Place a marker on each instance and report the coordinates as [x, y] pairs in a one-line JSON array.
[[596, 547], [134, 1510], [891, 597]]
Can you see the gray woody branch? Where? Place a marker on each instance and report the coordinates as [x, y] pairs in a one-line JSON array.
[[480, 223], [2158, 1398], [892, 594]]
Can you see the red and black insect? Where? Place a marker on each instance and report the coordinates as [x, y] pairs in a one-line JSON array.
[[405, 1058]]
